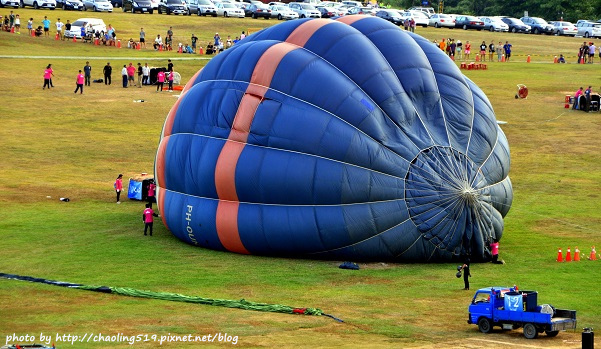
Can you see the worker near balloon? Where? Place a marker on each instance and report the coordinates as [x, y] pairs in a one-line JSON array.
[[345, 139]]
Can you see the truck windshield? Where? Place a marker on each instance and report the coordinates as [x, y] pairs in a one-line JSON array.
[[481, 298]]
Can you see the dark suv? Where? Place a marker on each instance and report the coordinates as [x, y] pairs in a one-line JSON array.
[[538, 25], [142, 6], [515, 25], [173, 6]]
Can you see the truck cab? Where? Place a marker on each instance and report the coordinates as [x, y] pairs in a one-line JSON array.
[[510, 308]]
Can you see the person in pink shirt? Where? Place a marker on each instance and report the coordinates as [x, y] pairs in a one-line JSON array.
[[47, 76], [147, 218], [494, 249], [171, 81], [577, 95], [79, 82], [131, 71], [151, 193], [119, 186], [160, 80]]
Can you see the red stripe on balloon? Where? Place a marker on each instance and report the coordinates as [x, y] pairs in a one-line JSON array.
[[305, 31], [225, 168], [171, 117], [161, 204], [160, 163], [351, 19]]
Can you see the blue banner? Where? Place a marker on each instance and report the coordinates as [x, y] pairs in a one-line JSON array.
[[135, 190]]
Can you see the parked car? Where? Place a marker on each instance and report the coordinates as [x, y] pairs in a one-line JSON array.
[[329, 12], [564, 28], [515, 25], [589, 29], [9, 3], [494, 24], [419, 17], [142, 6], [49, 4], [282, 12], [352, 3], [469, 22], [362, 10], [304, 10], [96, 23], [117, 3], [259, 10], [201, 7], [227, 9], [429, 11], [391, 16], [441, 20], [537, 25], [75, 5], [98, 5], [176, 7]]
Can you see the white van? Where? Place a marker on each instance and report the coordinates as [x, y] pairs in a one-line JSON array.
[[97, 25], [429, 11]]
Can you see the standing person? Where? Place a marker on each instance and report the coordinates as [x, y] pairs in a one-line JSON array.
[[591, 50], [242, 36], [124, 76], [452, 49], [47, 76], [170, 79], [140, 73], [459, 49], [131, 72], [18, 25], [491, 50], [119, 186], [507, 48], [468, 50], [151, 193], [46, 24], [577, 95], [193, 39], [483, 51], [170, 32], [87, 69], [147, 218], [466, 273], [412, 25], [494, 249], [142, 37], [587, 95], [59, 28], [79, 83], [30, 25], [160, 80], [169, 65], [499, 50], [145, 74], [67, 29], [216, 39], [51, 74], [108, 70], [11, 19]]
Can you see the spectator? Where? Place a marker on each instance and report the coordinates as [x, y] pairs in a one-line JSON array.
[[459, 49], [406, 24], [18, 25], [87, 69], [59, 28], [170, 32], [499, 50], [507, 48], [160, 80], [140, 73], [193, 40], [79, 83], [561, 59], [242, 36], [108, 70], [210, 49], [169, 65], [67, 29], [577, 95], [158, 43], [124, 76], [145, 74], [483, 51], [468, 50], [591, 51], [39, 32], [142, 37], [119, 186], [412, 25], [170, 79], [30, 25], [228, 42], [131, 72], [46, 24], [47, 76], [216, 39], [491, 50], [168, 43], [587, 95]]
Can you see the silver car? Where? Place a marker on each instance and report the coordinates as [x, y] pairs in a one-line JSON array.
[[228, 9], [304, 10], [282, 12], [98, 5], [564, 28], [9, 3]]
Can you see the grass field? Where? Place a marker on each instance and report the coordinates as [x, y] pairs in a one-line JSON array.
[[57, 144]]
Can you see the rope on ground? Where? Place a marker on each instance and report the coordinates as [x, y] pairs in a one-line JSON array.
[[176, 297]]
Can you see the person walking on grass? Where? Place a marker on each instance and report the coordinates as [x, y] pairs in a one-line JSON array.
[[160, 80], [119, 187], [147, 218], [47, 76], [79, 83], [87, 70], [108, 70]]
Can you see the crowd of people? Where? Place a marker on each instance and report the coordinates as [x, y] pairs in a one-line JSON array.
[[457, 50], [586, 52]]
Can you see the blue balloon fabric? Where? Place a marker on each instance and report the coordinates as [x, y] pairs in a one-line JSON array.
[[343, 139]]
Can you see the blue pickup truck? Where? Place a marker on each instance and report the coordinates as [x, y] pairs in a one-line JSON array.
[[511, 308]]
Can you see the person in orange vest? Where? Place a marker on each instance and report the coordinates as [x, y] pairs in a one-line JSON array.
[[147, 218], [119, 186]]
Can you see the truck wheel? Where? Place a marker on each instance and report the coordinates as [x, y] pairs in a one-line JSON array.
[[552, 333], [530, 331], [484, 325]]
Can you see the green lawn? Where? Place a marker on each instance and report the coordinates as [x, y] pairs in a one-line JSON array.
[[57, 144]]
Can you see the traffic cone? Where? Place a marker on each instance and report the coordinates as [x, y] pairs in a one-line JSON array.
[[138, 46], [477, 58], [160, 48], [555, 59], [503, 58], [528, 59], [593, 256], [569, 255], [582, 60], [12, 30], [200, 51], [96, 42], [559, 256], [118, 43], [74, 38], [56, 37], [576, 254], [33, 33]]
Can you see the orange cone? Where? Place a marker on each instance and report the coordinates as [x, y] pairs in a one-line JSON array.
[[33, 33], [581, 60], [118, 43], [503, 58], [200, 51], [477, 58], [96, 42], [74, 38], [161, 48], [555, 59], [56, 37], [138, 46], [569, 255], [528, 59], [576, 254], [12, 30], [593, 256], [559, 256]]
